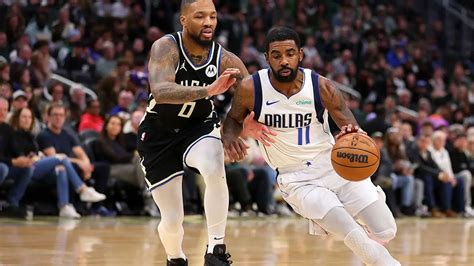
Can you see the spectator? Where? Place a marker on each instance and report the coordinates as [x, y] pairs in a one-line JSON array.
[[55, 140], [22, 56], [39, 29], [432, 176], [125, 99], [55, 169], [124, 165], [402, 175], [5, 90], [91, 119], [13, 165], [39, 70], [4, 45], [130, 130], [62, 28], [19, 101], [77, 59], [382, 177], [460, 165], [106, 63], [454, 203], [4, 70]]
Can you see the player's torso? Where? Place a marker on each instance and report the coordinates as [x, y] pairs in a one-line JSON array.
[[300, 121], [180, 116]]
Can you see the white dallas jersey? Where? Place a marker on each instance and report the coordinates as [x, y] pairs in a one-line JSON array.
[[301, 121]]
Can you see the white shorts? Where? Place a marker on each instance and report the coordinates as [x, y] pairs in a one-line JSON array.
[[312, 191]]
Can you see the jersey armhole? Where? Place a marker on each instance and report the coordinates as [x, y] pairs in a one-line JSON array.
[[257, 98], [171, 36], [318, 104]]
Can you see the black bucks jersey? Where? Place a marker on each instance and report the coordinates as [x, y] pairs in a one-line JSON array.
[[181, 116], [167, 131]]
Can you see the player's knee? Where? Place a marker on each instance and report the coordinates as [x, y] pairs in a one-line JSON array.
[[212, 171], [387, 234]]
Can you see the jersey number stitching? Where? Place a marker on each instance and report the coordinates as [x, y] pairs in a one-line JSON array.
[[187, 113], [302, 134]]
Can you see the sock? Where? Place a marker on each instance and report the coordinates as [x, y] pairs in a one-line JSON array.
[[213, 241]]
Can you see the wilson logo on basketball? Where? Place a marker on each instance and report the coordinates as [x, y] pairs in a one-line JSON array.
[[352, 157]]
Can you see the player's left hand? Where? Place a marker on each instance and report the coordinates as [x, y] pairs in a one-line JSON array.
[[350, 129], [258, 130]]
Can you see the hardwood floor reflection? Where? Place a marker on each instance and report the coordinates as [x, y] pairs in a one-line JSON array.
[[254, 241]]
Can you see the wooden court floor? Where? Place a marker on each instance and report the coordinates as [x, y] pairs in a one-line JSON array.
[[251, 241]]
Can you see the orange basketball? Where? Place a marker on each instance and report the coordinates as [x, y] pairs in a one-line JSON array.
[[355, 156]]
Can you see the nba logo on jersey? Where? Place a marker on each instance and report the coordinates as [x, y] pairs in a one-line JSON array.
[[142, 138], [211, 71]]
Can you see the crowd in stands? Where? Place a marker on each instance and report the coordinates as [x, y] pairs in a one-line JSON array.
[[412, 96]]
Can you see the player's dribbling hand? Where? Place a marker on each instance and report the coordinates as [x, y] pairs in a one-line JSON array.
[[258, 130], [235, 150], [350, 129], [224, 82]]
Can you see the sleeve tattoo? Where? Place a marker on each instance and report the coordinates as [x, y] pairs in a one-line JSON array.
[[161, 67], [336, 104], [230, 60]]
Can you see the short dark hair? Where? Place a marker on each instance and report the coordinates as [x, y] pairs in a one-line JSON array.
[[277, 34], [185, 3], [56, 106]]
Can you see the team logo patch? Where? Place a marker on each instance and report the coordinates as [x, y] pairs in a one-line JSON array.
[[183, 66], [211, 71]]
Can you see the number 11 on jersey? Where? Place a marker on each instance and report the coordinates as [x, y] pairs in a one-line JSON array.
[[303, 134]]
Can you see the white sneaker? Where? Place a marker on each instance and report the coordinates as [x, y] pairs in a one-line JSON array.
[[90, 195], [283, 210], [468, 212], [68, 211]]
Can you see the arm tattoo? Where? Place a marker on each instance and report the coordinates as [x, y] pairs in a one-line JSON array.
[[163, 61], [230, 60], [242, 101], [336, 104]]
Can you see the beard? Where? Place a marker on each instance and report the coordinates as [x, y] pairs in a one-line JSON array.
[[201, 42], [284, 79]]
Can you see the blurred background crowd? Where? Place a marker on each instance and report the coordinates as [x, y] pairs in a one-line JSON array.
[[73, 83]]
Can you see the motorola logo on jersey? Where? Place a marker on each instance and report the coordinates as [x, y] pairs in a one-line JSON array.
[[211, 71], [288, 120], [192, 83]]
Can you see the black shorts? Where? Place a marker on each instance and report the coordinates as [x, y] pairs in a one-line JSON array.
[[161, 151]]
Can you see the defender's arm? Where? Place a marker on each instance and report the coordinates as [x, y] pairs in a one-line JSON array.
[[164, 58]]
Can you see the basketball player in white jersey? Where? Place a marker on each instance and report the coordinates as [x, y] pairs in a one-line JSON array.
[[296, 103], [180, 126]]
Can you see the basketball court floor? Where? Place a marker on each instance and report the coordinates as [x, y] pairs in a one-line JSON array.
[[252, 241]]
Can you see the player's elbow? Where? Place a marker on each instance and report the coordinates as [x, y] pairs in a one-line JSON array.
[[157, 91]]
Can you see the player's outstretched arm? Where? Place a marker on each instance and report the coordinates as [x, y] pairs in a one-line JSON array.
[[242, 102], [164, 58], [251, 128], [335, 103]]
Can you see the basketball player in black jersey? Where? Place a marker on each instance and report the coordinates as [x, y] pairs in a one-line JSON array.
[[180, 127]]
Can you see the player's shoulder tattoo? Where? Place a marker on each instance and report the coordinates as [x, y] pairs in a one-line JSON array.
[[230, 60], [164, 57], [165, 51]]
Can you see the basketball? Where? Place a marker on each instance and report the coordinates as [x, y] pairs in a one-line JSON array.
[[355, 156]]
